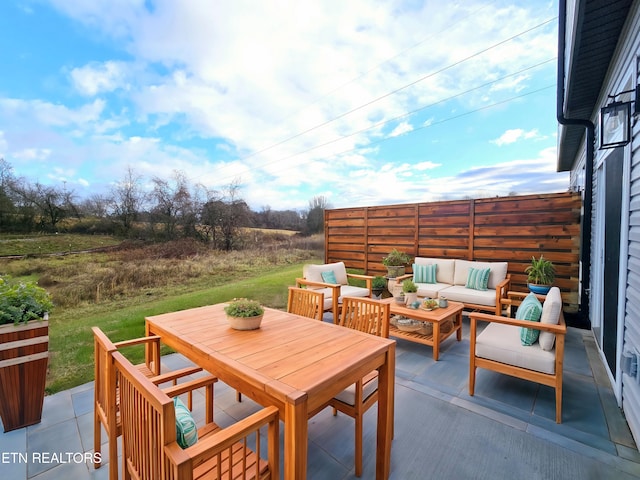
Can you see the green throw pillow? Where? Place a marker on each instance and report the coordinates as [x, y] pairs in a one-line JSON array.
[[530, 309], [186, 428], [478, 278], [424, 273], [329, 277]]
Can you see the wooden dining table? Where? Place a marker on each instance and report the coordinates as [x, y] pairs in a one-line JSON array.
[[295, 363]]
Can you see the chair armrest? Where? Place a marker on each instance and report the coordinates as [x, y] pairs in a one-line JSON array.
[[560, 329], [174, 375], [519, 296], [308, 283], [152, 350], [367, 278], [221, 440], [137, 341], [179, 389]]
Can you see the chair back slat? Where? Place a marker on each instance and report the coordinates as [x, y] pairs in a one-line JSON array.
[[146, 412], [306, 302], [366, 315]]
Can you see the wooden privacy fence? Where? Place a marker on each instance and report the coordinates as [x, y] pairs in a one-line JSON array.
[[511, 229]]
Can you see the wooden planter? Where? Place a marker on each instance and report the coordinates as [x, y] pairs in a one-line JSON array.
[[24, 353]]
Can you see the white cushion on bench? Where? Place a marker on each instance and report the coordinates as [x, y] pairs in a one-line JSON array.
[[460, 293], [501, 343], [431, 289]]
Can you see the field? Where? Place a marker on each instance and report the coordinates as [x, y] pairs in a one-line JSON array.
[[115, 290]]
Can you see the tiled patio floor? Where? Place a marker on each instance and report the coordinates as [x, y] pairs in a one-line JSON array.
[[506, 430]]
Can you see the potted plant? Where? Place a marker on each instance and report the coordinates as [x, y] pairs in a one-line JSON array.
[[396, 261], [378, 285], [540, 275], [410, 290], [24, 351], [244, 314]]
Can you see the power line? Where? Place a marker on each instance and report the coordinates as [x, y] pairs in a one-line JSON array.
[[377, 66], [407, 114], [445, 120], [393, 92]]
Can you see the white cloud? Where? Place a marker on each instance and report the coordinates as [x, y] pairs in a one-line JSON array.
[[288, 96], [513, 135], [96, 77], [403, 127]]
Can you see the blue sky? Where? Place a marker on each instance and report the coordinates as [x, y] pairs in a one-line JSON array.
[[363, 102]]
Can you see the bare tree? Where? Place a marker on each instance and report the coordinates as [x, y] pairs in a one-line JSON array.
[[315, 217], [174, 205], [226, 215], [127, 198]]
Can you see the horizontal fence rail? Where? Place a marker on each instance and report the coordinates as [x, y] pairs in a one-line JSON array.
[[511, 229]]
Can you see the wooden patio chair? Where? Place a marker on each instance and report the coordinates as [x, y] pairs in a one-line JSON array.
[[150, 442], [332, 279], [499, 346], [306, 302], [106, 395], [369, 316]]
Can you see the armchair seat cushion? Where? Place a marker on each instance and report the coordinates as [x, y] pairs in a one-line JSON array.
[[460, 293], [345, 291], [501, 343]]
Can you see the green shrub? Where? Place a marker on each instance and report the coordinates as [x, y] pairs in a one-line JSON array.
[[22, 301]]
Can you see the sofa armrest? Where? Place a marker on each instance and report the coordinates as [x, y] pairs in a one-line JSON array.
[[501, 293], [402, 278]]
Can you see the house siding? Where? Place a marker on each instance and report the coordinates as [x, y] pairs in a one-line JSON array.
[[623, 74]]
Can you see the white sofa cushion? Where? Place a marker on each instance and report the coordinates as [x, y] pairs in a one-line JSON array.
[[498, 272], [501, 343], [551, 309], [313, 272], [431, 290], [444, 269], [460, 293]]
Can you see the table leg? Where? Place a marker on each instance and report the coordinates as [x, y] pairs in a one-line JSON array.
[[295, 439], [386, 407], [459, 325], [436, 340]]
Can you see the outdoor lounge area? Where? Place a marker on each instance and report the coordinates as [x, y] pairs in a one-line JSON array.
[[506, 430]]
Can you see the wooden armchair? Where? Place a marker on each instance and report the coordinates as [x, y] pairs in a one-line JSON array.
[[316, 277], [369, 316], [150, 448], [106, 395], [499, 348]]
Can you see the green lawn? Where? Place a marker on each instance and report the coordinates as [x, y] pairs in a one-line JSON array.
[[71, 341]]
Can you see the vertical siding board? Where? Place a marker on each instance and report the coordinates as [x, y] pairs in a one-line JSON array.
[[508, 229]]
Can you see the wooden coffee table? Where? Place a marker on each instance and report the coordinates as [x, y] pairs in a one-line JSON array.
[[437, 317]]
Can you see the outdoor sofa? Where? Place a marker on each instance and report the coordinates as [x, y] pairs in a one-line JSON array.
[[479, 285]]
